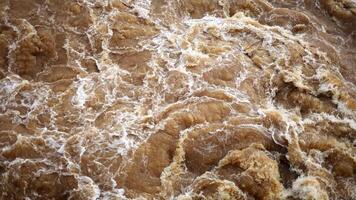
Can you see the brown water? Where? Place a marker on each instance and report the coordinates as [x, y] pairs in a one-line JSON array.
[[177, 99]]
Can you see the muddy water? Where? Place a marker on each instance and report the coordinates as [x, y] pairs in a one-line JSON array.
[[177, 99]]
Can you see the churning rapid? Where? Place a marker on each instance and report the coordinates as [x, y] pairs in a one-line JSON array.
[[177, 99]]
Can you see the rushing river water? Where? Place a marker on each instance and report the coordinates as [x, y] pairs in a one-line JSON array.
[[177, 99]]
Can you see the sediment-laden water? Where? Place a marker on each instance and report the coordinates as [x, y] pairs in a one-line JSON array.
[[177, 99]]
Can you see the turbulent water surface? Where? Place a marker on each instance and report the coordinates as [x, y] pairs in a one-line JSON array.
[[177, 99]]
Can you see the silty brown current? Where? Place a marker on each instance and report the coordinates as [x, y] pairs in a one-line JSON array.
[[177, 99]]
